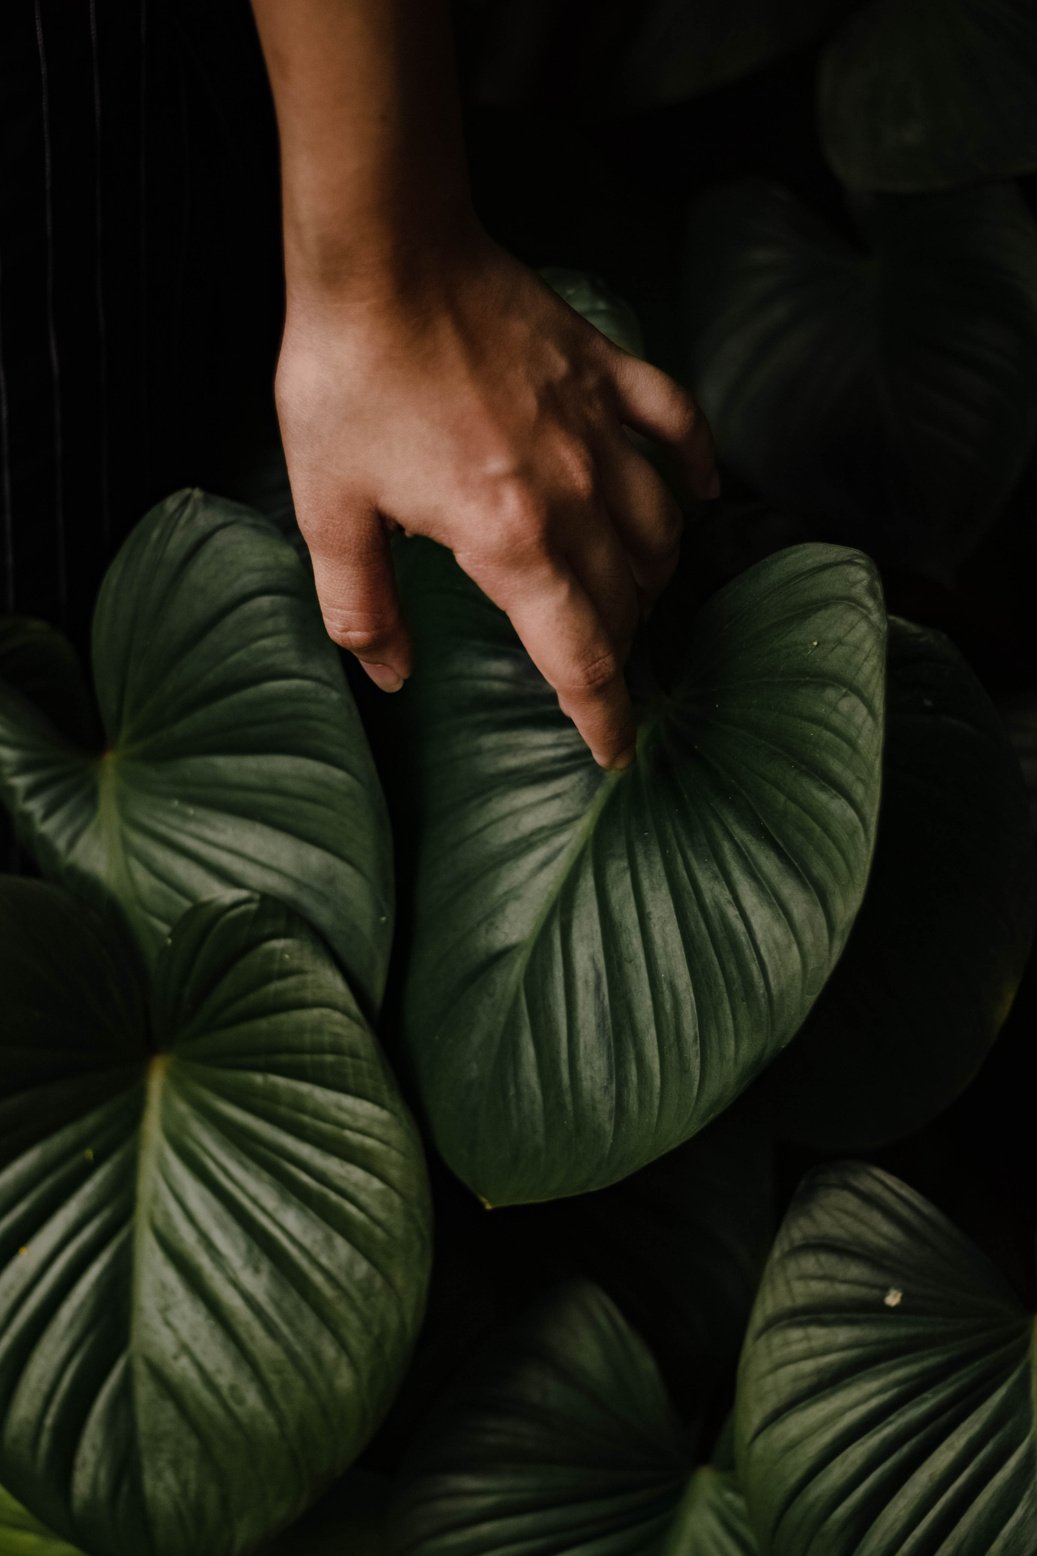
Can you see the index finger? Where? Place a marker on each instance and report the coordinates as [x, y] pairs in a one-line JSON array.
[[566, 639], [654, 404]]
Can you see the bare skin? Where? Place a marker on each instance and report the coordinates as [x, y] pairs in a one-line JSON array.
[[428, 381]]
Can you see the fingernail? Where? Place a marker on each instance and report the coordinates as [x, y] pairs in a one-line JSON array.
[[384, 676], [618, 763]]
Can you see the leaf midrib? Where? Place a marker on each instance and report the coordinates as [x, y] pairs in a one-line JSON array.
[[109, 825], [145, 1190], [578, 842]]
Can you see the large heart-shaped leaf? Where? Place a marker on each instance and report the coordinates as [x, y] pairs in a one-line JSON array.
[[885, 1399], [939, 947], [562, 1439], [213, 1225], [23, 1535], [892, 395], [602, 961], [232, 754], [935, 94]]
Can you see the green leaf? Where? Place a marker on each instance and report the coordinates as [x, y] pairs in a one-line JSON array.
[[232, 753], [23, 1535], [214, 1228], [939, 947], [563, 1439], [891, 395], [931, 95], [599, 304], [40, 664], [712, 1519], [885, 1399], [602, 962]]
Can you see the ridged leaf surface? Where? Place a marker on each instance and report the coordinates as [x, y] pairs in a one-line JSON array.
[[885, 1399], [231, 754], [563, 1439], [890, 392], [214, 1233], [603, 961], [712, 1519]]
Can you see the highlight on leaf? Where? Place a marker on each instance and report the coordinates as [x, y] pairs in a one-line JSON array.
[[214, 1225], [601, 963]]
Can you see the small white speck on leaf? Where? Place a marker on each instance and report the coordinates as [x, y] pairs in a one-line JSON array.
[[893, 1297], [814, 643]]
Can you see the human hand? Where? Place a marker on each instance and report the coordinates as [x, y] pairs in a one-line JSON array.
[[471, 405]]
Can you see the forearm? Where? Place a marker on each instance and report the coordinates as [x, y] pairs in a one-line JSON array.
[[429, 381], [372, 158]]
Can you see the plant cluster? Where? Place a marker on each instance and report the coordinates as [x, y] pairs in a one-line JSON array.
[[402, 1171]]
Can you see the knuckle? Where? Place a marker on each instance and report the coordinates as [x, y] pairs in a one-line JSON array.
[[580, 474], [320, 525], [360, 637], [591, 674], [520, 527]]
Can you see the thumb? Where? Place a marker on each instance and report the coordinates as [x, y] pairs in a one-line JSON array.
[[356, 588]]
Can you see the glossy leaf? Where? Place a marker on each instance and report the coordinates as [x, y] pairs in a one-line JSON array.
[[38, 662], [712, 1519], [931, 95], [939, 947], [23, 1535], [213, 1225], [563, 1439], [892, 395], [885, 1399], [603, 961], [232, 754]]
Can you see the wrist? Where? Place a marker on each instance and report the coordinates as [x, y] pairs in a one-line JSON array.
[[378, 256]]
